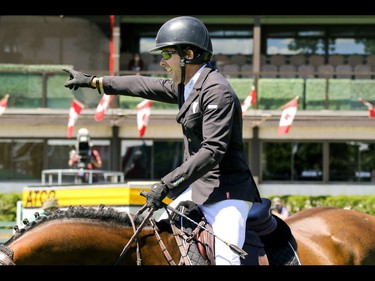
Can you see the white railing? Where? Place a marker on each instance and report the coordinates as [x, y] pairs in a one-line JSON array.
[[57, 176]]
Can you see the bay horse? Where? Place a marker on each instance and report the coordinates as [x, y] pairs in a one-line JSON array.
[[334, 236], [97, 236]]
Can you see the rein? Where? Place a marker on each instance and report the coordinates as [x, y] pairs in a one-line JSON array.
[[158, 238], [161, 243], [134, 237], [136, 240], [177, 234]]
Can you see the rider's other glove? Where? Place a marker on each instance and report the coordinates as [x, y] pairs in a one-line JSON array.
[[78, 79], [156, 195]]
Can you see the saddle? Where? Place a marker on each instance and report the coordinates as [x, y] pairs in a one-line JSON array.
[[268, 241]]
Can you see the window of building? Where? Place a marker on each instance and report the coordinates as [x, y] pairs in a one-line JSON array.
[[58, 153], [136, 157], [322, 40], [150, 159], [352, 162], [21, 159], [296, 161], [227, 46], [293, 46], [168, 155]]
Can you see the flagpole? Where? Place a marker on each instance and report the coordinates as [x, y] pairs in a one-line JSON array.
[[366, 103], [105, 100], [370, 107], [264, 119]]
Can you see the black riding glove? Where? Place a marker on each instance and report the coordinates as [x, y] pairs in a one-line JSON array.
[[156, 195], [78, 79]]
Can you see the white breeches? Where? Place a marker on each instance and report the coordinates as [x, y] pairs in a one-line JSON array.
[[228, 221]]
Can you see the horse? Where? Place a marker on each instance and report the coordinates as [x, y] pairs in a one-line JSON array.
[[105, 236], [334, 236]]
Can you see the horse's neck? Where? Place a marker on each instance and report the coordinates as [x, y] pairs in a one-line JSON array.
[[65, 239], [66, 242]]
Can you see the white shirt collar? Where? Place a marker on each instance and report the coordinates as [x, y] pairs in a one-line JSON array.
[[190, 84]]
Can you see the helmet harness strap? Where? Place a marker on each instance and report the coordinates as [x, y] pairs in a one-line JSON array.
[[183, 61], [181, 85]]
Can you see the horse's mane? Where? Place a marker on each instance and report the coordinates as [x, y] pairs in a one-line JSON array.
[[108, 215]]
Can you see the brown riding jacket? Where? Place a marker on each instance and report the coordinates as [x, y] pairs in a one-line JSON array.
[[215, 163]]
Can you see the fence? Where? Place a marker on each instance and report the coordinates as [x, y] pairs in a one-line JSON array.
[[41, 86]]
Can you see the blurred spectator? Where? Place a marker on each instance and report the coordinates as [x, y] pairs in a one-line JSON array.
[[50, 205], [136, 63], [84, 156], [279, 209]]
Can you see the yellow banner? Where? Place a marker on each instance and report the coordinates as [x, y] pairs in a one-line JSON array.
[[85, 196]]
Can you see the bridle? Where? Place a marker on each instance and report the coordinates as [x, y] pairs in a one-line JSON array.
[[6, 255], [135, 238]]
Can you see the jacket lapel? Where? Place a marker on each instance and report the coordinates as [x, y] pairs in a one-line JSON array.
[[193, 95]]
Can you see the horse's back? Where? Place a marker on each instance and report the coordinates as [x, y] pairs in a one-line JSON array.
[[333, 236]]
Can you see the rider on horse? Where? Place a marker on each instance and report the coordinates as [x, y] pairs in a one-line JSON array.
[[215, 173]]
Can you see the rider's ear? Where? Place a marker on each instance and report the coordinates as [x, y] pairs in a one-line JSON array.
[[189, 54]]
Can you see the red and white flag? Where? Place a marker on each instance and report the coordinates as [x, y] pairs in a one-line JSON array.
[[75, 109], [143, 114], [250, 100], [3, 104], [287, 116], [370, 107], [102, 106]]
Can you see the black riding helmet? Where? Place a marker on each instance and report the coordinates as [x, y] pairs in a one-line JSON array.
[[182, 33], [183, 30]]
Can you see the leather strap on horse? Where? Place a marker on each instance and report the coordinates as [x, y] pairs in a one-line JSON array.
[[139, 262], [177, 234], [5, 260], [6, 255], [126, 248], [161, 243]]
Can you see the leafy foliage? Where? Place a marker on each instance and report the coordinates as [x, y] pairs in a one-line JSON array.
[[362, 203], [8, 206]]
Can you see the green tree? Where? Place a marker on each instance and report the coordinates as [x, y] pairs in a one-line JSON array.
[[8, 206]]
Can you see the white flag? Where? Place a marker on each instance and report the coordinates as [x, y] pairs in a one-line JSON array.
[[75, 109], [3, 104], [370, 107], [250, 100], [102, 106], [143, 114], [287, 116]]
